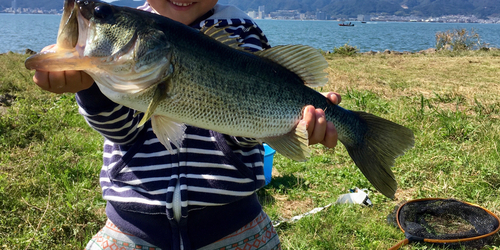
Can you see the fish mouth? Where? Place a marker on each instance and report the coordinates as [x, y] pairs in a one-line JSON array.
[[74, 30], [71, 40]]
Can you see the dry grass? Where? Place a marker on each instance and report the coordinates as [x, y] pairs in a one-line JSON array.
[[394, 76]]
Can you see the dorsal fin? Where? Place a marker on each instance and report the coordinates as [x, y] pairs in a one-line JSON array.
[[305, 61], [221, 35]]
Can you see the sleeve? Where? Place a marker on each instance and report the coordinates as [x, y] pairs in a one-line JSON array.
[[250, 35], [115, 122]]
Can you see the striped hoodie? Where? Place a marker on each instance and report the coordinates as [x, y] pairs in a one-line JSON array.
[[192, 196]]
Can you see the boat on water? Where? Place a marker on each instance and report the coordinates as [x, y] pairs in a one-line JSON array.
[[346, 24]]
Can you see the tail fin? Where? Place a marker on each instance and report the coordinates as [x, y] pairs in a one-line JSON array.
[[375, 152]]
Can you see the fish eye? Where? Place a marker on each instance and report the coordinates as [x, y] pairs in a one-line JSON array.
[[103, 11], [82, 2]]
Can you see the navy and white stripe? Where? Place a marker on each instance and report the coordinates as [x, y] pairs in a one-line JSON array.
[[209, 169]]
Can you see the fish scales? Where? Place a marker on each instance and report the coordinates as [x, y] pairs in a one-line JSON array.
[[178, 75], [252, 97]]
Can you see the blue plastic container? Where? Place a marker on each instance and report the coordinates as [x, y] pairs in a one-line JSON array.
[[268, 162]]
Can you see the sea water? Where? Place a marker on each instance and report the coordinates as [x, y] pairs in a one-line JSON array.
[[35, 31]]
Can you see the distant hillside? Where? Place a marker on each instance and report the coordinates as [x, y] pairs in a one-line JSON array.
[[351, 8], [336, 8], [56, 4]]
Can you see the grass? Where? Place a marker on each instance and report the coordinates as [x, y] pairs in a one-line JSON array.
[[50, 159], [49, 166], [346, 50], [459, 39]]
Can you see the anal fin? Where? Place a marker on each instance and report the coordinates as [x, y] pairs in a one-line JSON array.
[[293, 145]]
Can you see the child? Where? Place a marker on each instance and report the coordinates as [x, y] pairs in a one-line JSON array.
[[202, 196]]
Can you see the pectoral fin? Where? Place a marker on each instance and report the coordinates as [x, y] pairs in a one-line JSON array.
[[166, 130], [160, 94], [293, 145]]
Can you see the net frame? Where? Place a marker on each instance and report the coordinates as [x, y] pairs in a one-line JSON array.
[[412, 238]]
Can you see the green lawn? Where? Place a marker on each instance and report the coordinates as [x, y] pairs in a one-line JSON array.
[[50, 159]]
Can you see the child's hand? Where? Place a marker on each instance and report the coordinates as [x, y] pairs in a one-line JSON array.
[[321, 131], [62, 81]]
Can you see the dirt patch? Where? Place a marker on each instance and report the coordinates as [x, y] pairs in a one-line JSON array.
[[6, 99], [5, 102], [289, 208], [275, 173], [3, 110], [405, 194]]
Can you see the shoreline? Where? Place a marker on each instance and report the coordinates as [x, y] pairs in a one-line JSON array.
[[279, 19], [371, 52]]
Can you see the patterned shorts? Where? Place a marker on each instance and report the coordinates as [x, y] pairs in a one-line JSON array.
[[258, 234]]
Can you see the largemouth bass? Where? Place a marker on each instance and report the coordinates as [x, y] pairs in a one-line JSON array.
[[177, 75]]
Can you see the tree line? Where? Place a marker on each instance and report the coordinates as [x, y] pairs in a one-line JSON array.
[[336, 8]]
